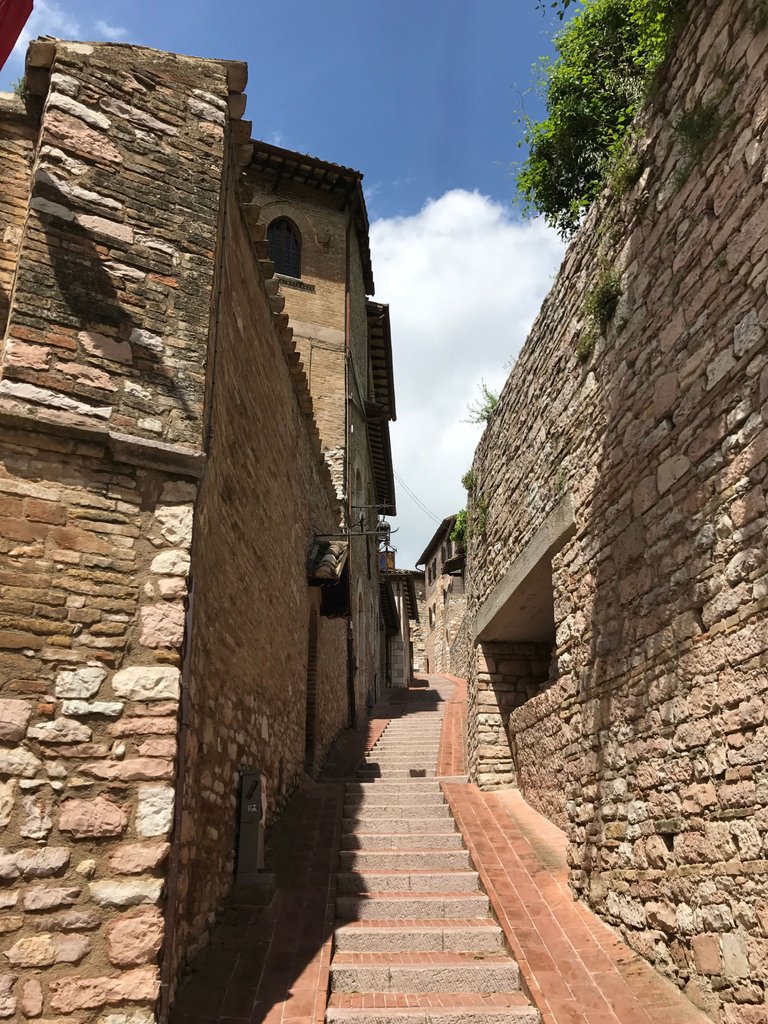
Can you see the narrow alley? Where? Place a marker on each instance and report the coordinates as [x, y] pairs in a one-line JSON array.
[[406, 894]]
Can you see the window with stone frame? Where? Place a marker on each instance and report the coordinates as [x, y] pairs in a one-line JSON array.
[[284, 241]]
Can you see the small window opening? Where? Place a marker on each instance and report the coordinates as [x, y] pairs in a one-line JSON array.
[[284, 243]]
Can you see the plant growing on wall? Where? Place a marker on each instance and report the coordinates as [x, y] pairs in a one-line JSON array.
[[600, 305], [608, 55], [471, 521], [481, 409], [459, 531]]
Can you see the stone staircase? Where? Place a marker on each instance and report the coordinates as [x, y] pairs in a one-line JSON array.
[[414, 938]]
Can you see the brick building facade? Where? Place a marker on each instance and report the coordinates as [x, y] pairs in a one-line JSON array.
[[312, 215], [164, 474]]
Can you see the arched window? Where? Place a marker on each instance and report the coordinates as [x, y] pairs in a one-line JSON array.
[[285, 247]]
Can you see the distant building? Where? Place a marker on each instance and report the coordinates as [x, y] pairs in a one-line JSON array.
[[401, 583], [443, 561]]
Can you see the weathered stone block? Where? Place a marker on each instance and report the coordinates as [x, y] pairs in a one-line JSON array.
[[80, 683], [14, 716], [137, 986], [96, 817], [126, 893], [135, 938], [136, 858], [147, 682], [154, 814]]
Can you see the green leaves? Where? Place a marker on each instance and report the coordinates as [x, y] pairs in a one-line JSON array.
[[557, 5], [608, 55]]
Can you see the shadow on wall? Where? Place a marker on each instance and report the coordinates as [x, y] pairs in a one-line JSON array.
[[88, 291], [4, 306]]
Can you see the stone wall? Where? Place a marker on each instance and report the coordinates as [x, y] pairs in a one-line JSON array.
[[101, 376], [18, 135], [136, 414], [265, 494], [504, 677], [655, 731], [460, 652], [88, 722], [107, 325], [328, 314], [419, 626], [446, 599]]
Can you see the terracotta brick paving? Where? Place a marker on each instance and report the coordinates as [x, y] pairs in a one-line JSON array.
[[576, 969], [452, 758]]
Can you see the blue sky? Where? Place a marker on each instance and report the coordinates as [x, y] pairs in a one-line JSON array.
[[424, 98], [421, 95]]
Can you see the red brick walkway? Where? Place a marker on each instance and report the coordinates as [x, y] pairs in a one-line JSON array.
[[452, 759], [576, 969]]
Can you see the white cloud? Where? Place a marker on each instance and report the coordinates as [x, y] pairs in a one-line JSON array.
[[47, 19], [464, 282], [112, 33]]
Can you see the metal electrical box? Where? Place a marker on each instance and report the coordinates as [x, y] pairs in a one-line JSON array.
[[250, 844]]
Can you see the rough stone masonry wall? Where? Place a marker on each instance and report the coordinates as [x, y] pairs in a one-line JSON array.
[[102, 370], [18, 136], [266, 493], [461, 649], [88, 721], [107, 324], [656, 730]]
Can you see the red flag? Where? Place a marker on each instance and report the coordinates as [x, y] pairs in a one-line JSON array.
[[13, 18]]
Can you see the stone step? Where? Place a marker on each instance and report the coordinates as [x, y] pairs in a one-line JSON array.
[[429, 937], [381, 785], [367, 810], [367, 841], [397, 750], [403, 749], [419, 760], [430, 735], [404, 860], [516, 1010], [411, 907], [394, 800], [414, 881], [434, 972], [394, 773], [380, 825], [401, 761]]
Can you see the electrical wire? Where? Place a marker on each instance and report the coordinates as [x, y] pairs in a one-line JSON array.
[[417, 501]]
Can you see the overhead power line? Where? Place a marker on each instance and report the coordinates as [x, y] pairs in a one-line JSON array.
[[417, 500]]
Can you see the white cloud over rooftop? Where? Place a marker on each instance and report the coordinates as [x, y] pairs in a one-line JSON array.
[[464, 281]]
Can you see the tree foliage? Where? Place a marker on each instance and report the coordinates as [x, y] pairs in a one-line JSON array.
[[608, 55]]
